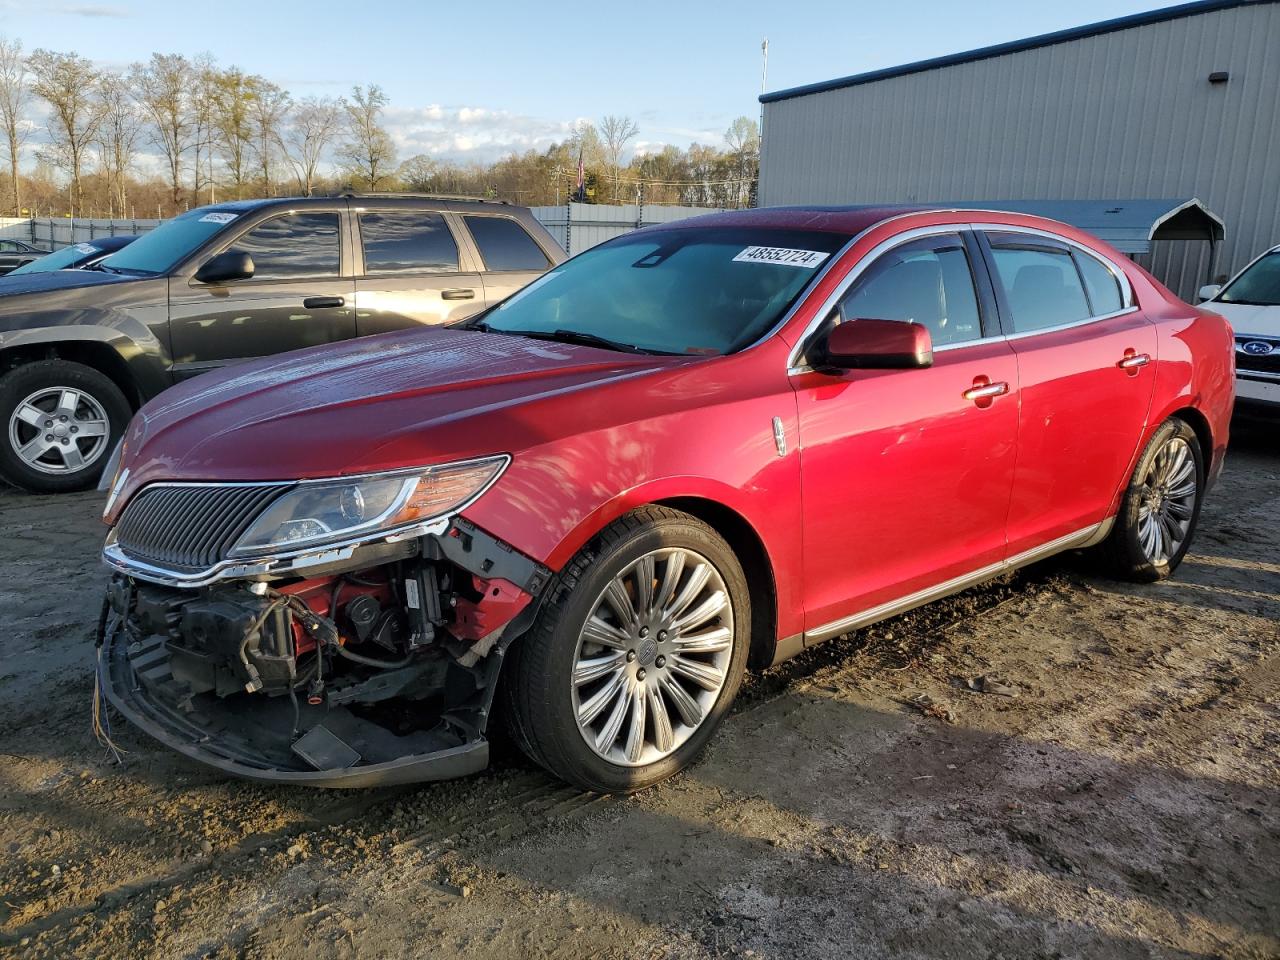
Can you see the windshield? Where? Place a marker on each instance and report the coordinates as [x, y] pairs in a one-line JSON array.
[[64, 259], [160, 250], [684, 291], [1258, 286]]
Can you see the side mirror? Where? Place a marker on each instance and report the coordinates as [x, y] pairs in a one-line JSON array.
[[878, 345], [1209, 291], [225, 267]]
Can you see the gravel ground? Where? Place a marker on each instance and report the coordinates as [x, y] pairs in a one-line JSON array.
[[863, 801]]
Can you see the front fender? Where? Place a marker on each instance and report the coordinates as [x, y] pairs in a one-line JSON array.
[[138, 349]]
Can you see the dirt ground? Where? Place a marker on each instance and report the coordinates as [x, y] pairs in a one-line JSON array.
[[1125, 803]]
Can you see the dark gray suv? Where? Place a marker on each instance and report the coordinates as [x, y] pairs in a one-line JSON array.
[[80, 350]]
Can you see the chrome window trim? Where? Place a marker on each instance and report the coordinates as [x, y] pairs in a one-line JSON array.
[[795, 364]]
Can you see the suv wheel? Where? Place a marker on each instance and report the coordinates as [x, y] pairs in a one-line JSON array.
[[636, 655], [1160, 508], [61, 422]]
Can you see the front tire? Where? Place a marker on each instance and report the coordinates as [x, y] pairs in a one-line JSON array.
[[1160, 508], [61, 420], [636, 656]]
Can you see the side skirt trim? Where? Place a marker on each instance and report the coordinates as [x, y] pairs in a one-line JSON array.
[[1081, 538]]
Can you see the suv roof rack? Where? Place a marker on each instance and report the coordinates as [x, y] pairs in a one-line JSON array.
[[422, 196]]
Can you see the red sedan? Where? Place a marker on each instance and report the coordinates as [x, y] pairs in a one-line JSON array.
[[690, 450]]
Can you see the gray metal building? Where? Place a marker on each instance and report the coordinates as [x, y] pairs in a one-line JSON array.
[[1179, 102]]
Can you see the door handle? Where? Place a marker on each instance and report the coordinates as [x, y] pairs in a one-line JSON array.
[[319, 303], [1132, 361], [983, 389], [458, 293]]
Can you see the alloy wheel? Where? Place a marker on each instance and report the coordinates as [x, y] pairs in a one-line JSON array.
[[652, 657], [1168, 501], [59, 430]]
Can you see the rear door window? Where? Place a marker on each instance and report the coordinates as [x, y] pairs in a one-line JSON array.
[[505, 245], [294, 246], [404, 242], [1040, 282], [1100, 283]]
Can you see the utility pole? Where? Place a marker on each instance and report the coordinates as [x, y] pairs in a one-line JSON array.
[[764, 76]]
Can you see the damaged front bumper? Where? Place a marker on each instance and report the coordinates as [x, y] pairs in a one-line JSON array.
[[373, 672]]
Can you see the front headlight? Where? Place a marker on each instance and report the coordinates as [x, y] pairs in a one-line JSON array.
[[314, 513]]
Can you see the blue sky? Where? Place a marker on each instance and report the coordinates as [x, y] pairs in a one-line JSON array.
[[476, 80]]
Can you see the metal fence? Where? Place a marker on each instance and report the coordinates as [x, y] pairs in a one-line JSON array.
[[578, 226], [54, 234]]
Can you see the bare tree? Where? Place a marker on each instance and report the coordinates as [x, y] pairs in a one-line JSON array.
[[163, 87], [743, 140], [204, 75], [312, 126], [369, 153], [118, 138], [419, 173], [13, 104], [268, 106], [232, 93], [69, 83], [615, 132]]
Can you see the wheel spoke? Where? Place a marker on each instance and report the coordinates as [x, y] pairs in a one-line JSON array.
[[698, 578], [703, 612], [1179, 510], [71, 456], [34, 449], [671, 572], [67, 403], [597, 667], [619, 601], [32, 416], [605, 634], [644, 585], [1183, 492], [662, 737], [91, 428], [713, 641], [685, 705], [601, 698], [635, 733], [703, 674], [609, 732]]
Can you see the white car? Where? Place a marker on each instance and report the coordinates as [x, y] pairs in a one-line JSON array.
[[1251, 303]]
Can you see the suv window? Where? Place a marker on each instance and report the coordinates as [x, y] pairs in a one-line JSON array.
[[505, 245], [1100, 283], [1040, 282], [407, 243], [294, 246], [1257, 286], [927, 281]]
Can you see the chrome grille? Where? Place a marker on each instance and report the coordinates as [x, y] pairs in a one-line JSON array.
[[189, 526], [1266, 363]]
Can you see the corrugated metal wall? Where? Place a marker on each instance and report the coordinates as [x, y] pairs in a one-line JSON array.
[[1129, 114]]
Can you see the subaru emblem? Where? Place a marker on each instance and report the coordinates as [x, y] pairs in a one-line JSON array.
[[1257, 348]]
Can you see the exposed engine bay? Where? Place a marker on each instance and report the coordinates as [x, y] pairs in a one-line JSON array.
[[380, 671]]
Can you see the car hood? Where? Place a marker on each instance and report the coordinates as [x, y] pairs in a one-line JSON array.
[[43, 282], [375, 403], [1249, 320]]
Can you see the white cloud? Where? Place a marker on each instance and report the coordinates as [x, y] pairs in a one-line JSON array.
[[471, 133]]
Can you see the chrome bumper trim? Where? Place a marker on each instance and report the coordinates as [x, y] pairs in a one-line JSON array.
[[268, 567]]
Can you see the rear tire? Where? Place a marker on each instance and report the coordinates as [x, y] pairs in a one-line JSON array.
[[1160, 507], [59, 422], [636, 655]]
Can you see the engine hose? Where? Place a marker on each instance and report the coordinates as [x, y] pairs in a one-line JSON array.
[[372, 661]]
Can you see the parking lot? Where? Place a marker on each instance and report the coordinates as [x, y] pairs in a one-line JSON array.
[[864, 800]]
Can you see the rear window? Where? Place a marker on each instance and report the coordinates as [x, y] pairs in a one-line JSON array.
[[1041, 285], [505, 245], [407, 243], [1101, 285]]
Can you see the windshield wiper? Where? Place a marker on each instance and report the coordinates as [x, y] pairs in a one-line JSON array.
[[585, 339]]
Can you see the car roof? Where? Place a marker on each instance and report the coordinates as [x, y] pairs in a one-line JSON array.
[[828, 219]]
